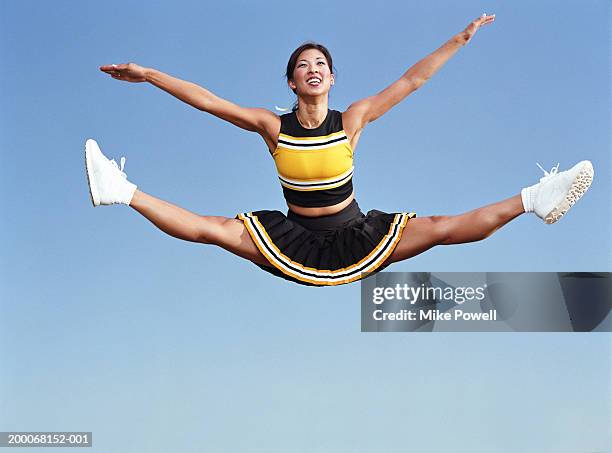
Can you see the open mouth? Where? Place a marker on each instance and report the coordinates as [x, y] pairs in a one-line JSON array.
[[314, 81]]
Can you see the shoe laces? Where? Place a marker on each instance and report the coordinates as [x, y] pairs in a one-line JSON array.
[[114, 164], [548, 174]]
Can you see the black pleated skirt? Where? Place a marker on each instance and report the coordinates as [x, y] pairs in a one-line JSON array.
[[328, 250]]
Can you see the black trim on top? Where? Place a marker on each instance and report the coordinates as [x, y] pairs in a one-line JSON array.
[[308, 145], [291, 126], [302, 184]]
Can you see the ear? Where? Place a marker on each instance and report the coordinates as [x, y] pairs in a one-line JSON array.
[[332, 80], [291, 84]]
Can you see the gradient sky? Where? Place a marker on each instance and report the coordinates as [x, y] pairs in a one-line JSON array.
[[157, 345]]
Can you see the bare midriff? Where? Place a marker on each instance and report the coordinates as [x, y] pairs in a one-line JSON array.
[[321, 211]]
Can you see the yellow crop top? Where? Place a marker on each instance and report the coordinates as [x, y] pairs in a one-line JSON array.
[[315, 166]]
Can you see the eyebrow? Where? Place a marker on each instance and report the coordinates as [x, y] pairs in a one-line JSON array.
[[318, 58]]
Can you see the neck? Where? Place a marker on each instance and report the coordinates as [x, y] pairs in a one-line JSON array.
[[311, 114]]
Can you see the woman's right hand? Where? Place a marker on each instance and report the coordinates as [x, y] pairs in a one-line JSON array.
[[129, 72]]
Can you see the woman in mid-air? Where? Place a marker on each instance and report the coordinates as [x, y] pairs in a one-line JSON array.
[[324, 239]]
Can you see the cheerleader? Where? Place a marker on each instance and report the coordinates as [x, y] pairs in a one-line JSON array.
[[324, 239]]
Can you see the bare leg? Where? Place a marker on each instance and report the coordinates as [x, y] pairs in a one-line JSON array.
[[423, 233], [228, 233]]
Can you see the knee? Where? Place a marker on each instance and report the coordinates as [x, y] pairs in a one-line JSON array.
[[209, 230], [218, 230], [440, 228]]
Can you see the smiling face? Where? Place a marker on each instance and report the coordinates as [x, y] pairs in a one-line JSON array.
[[312, 74]]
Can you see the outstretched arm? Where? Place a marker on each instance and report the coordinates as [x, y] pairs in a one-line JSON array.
[[367, 110], [252, 119]]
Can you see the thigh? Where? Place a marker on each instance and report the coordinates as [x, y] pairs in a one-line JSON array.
[[232, 235], [420, 234]]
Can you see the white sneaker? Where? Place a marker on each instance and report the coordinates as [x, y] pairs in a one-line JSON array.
[[107, 182], [557, 192]]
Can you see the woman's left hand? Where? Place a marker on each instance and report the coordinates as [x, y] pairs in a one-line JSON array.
[[471, 29]]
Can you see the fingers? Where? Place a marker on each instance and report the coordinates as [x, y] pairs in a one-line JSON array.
[[113, 69], [484, 19], [473, 27]]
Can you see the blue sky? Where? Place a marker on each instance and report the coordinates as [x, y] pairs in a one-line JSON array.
[[107, 325]]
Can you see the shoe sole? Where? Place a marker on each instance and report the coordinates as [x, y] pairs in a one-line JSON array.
[[93, 192], [579, 186]]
